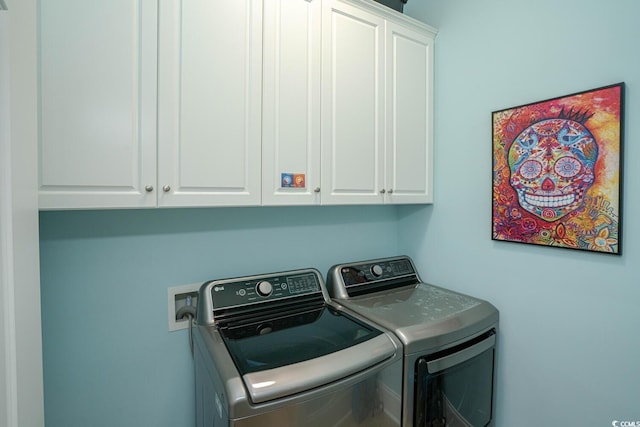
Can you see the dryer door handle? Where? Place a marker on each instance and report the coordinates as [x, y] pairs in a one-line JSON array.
[[461, 356]]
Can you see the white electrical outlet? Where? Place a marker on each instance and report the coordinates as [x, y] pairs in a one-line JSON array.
[[177, 298]]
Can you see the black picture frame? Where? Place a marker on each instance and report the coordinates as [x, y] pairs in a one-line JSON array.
[[558, 169]]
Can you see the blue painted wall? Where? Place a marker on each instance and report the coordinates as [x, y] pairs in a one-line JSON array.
[[570, 336], [109, 359], [569, 340]]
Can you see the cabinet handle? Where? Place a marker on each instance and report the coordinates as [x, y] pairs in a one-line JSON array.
[[166, 188], [316, 190], [383, 191], [390, 191], [148, 188]]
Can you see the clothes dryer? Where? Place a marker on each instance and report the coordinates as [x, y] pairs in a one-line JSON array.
[[449, 339]]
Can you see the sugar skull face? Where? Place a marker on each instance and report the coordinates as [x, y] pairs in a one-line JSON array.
[[552, 163]]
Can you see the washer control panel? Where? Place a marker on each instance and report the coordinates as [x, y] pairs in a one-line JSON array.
[[258, 289], [353, 279], [374, 271]]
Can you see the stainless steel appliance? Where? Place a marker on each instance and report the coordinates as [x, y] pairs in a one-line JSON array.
[[449, 339], [273, 350]]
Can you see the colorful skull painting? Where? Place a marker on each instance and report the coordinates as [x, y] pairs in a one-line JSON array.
[[557, 168], [552, 166]]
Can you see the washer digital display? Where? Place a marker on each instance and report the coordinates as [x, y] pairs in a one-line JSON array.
[[401, 267], [302, 284]]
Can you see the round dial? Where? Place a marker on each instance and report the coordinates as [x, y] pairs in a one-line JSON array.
[[264, 288], [376, 270]]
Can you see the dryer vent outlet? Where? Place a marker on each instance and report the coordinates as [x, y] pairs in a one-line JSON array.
[[178, 298]]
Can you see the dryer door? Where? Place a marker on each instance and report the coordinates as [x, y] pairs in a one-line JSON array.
[[454, 388]]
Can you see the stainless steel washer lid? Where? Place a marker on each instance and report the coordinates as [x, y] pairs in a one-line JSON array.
[[287, 380], [423, 316], [389, 292]]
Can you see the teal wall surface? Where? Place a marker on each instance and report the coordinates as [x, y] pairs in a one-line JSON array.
[[108, 357], [570, 320], [569, 342]]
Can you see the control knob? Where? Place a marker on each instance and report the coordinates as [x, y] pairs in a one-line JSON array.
[[264, 288], [376, 270]]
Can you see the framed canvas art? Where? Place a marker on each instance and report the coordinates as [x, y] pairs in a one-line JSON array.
[[557, 171]]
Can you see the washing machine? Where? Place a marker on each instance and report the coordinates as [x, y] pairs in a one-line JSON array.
[[448, 338], [273, 350]]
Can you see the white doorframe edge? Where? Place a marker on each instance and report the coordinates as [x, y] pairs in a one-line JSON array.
[[8, 408], [22, 397]]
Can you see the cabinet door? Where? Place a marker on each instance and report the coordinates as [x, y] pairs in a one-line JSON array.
[[97, 93], [352, 105], [409, 127], [209, 94], [291, 102]]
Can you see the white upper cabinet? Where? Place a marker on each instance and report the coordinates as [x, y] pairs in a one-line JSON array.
[[409, 115], [97, 139], [352, 105], [111, 75], [209, 102], [180, 103], [377, 91], [291, 102]]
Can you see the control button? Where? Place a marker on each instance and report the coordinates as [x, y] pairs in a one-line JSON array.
[[242, 292], [264, 288], [265, 329], [376, 270]]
